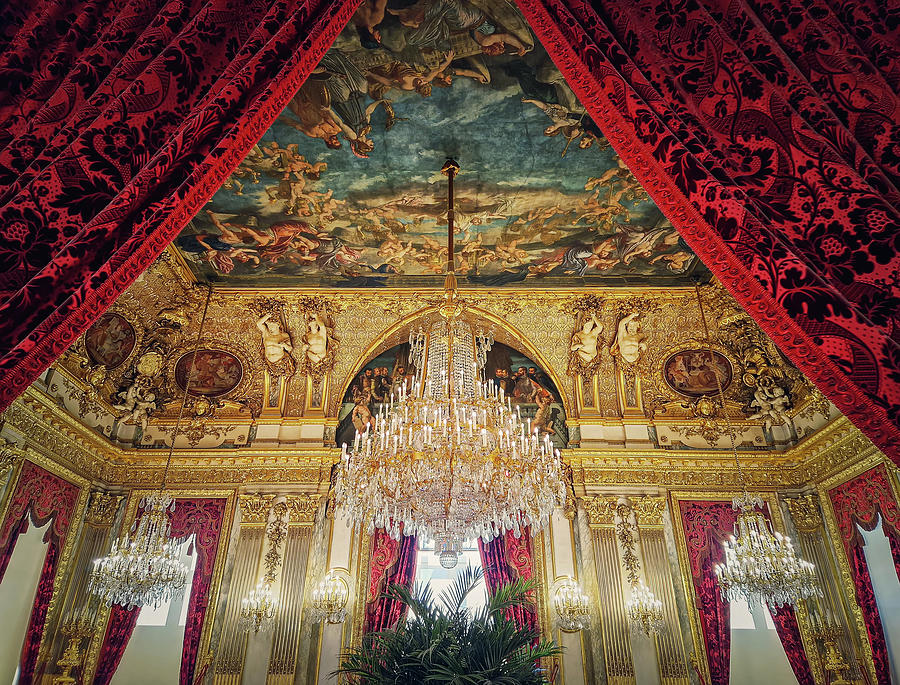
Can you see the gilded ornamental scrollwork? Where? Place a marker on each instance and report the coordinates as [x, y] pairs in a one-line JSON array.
[[102, 508], [805, 513]]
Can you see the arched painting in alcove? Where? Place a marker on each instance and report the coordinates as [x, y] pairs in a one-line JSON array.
[[530, 388]]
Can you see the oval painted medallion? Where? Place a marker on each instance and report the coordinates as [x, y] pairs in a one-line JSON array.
[[109, 341], [215, 372], [693, 372]]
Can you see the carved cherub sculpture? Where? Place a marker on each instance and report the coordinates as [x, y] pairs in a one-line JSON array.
[[584, 341], [138, 402], [316, 338], [770, 401], [276, 342], [630, 341]]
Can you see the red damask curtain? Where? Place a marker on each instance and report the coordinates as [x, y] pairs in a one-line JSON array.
[[860, 501], [118, 120], [393, 563], [504, 559], [202, 518], [768, 132], [706, 525], [40, 497]]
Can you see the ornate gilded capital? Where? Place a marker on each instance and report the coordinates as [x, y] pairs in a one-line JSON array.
[[649, 511], [9, 456], [601, 509], [303, 507], [102, 508], [255, 508], [805, 513]]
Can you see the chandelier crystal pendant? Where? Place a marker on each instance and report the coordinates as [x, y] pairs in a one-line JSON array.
[[450, 458], [144, 567], [760, 563], [329, 599], [573, 609]]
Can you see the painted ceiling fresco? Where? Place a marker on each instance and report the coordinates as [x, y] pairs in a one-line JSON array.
[[344, 189]]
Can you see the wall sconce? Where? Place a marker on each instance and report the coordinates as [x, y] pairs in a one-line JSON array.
[[572, 605], [329, 597]]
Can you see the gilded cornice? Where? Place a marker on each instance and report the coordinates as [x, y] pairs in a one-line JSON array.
[[49, 428]]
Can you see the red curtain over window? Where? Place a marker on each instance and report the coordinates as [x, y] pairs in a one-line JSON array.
[[768, 132], [863, 501], [504, 559], [40, 497], [706, 525], [118, 120], [202, 518], [393, 563]]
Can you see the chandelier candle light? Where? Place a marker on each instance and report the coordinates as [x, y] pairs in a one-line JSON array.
[[449, 458], [144, 568], [760, 563]]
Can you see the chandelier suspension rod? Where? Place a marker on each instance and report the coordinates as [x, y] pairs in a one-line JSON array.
[[187, 387], [450, 169], [728, 423]]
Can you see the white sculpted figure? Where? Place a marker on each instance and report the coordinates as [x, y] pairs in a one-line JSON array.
[[584, 342], [276, 342], [770, 401], [630, 341], [138, 402], [316, 338]]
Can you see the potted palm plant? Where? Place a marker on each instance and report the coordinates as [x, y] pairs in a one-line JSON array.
[[443, 642]]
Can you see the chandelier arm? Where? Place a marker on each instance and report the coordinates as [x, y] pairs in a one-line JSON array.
[[728, 423], [187, 387]]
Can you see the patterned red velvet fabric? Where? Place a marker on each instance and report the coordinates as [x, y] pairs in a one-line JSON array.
[[40, 497], [118, 120], [706, 525], [785, 621], [202, 518], [861, 501], [768, 132], [504, 559], [393, 563]]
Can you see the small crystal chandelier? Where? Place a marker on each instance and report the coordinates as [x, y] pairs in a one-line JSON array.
[[258, 608], [644, 610], [144, 568], [449, 458], [760, 563], [572, 606], [329, 599]]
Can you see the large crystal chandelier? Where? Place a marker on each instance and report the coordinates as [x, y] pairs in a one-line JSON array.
[[760, 563], [449, 458], [144, 568]]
